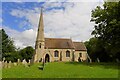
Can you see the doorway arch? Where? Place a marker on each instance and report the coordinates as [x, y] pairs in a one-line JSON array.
[[47, 58]]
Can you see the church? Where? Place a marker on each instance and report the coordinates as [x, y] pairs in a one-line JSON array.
[[57, 49]]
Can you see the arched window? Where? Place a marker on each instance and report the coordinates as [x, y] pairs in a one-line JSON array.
[[67, 53], [40, 45], [80, 54], [56, 53]]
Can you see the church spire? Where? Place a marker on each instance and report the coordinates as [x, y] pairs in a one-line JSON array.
[[40, 34], [40, 41]]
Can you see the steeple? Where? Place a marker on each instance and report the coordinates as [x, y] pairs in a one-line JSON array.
[[40, 34], [40, 41]]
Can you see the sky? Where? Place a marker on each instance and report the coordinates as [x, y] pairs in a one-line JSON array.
[[62, 19]]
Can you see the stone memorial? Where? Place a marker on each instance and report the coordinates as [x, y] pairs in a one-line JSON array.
[[24, 63], [15, 64], [5, 64], [0, 64], [9, 64], [18, 61]]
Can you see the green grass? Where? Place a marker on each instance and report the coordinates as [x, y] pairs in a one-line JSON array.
[[63, 70]]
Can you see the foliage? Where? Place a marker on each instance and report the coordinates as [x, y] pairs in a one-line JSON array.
[[10, 52], [7, 43], [8, 48], [96, 50], [26, 53], [107, 27], [12, 56]]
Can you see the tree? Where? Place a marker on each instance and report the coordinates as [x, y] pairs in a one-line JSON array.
[[7, 44], [26, 53], [12, 56], [107, 27], [96, 50]]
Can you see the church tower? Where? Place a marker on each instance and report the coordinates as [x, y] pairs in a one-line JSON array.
[[40, 41]]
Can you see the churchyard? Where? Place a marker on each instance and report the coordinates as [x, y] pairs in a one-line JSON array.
[[59, 70]]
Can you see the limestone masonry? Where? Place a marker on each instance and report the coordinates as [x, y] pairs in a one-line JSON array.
[[57, 49]]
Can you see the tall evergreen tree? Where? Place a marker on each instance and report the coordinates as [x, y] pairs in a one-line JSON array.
[[7, 44]]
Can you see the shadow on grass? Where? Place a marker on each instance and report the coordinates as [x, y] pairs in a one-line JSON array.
[[101, 64], [40, 68]]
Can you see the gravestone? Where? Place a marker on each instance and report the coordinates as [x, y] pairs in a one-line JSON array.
[[98, 60], [25, 63], [18, 61], [15, 64], [5, 64], [9, 64], [4, 59], [0, 64], [29, 61]]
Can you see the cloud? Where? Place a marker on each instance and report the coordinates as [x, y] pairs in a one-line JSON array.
[[31, 17], [21, 39], [58, 0], [72, 21]]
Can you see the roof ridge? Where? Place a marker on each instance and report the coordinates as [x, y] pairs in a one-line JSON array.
[[58, 38], [77, 42]]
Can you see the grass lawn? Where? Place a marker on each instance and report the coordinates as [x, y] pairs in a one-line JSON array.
[[63, 70]]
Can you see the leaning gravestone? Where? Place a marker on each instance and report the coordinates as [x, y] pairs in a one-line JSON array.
[[9, 64], [98, 60]]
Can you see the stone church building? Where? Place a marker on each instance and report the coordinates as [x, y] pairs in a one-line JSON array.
[[57, 49]]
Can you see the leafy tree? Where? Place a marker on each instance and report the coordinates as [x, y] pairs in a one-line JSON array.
[[12, 56], [96, 50], [0, 45], [7, 44], [107, 27], [26, 53]]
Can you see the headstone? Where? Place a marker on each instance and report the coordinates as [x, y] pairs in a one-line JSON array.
[[25, 63], [4, 59], [0, 64], [15, 64], [98, 60], [29, 61], [5, 64], [9, 64], [18, 61]]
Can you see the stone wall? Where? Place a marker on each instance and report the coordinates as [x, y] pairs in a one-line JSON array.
[[74, 55], [84, 55]]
